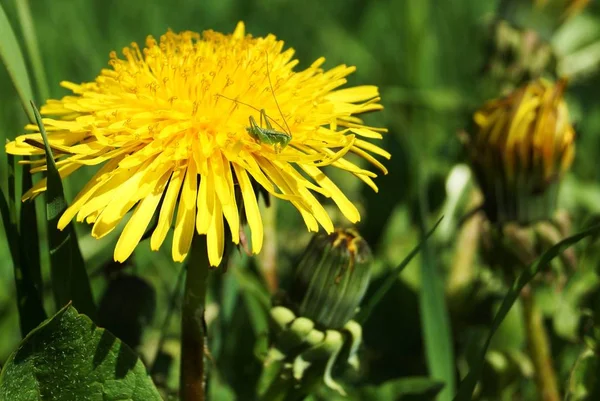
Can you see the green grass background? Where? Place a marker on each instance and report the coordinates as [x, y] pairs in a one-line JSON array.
[[426, 57]]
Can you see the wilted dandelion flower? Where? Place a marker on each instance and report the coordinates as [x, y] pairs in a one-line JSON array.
[[171, 125], [520, 148]]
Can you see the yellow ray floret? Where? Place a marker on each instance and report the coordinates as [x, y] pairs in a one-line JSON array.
[[170, 126]]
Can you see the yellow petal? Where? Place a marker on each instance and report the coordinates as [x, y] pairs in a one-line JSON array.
[[354, 95], [184, 225], [251, 208], [86, 193], [346, 207], [230, 208], [206, 202], [137, 224], [216, 236], [166, 211]]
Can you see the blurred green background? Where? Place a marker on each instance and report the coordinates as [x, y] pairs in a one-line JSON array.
[[427, 58]]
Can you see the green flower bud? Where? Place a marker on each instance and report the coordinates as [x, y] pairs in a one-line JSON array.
[[331, 278]]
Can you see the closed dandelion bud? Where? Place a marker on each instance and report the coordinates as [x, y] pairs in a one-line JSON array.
[[331, 278], [520, 148]]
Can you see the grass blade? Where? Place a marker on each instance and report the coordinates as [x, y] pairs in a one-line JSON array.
[[70, 280], [29, 229], [467, 386], [365, 311], [33, 50], [29, 303], [435, 321], [11, 56]]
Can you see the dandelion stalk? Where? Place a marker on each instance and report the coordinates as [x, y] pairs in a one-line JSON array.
[[193, 334], [539, 349]]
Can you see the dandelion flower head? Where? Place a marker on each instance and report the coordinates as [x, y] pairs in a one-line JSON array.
[[170, 126]]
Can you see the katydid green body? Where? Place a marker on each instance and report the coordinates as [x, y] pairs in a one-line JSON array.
[[268, 135]]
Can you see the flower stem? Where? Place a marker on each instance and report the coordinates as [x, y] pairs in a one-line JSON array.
[[268, 257], [462, 271], [539, 349], [192, 323]]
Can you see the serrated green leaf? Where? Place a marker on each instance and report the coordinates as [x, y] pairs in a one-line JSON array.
[[467, 386], [68, 358], [70, 282], [13, 60]]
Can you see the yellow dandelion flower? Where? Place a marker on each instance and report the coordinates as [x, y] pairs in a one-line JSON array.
[[171, 125]]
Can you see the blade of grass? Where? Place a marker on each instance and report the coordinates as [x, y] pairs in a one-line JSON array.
[[467, 386], [70, 280], [378, 295], [29, 229], [31, 45], [434, 316], [29, 303], [11, 56]]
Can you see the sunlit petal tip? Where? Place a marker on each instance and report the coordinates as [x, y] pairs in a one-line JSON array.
[[240, 30]]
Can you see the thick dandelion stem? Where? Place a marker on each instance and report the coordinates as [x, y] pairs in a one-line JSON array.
[[192, 323], [539, 349]]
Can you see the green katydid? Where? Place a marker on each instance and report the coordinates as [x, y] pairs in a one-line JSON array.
[[267, 134]]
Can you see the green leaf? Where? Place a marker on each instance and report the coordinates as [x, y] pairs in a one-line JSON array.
[[378, 295], [29, 230], [406, 388], [12, 58], [467, 386], [68, 358], [567, 317], [70, 282], [435, 321], [583, 381]]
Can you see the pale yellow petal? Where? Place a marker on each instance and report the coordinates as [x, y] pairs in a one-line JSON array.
[[216, 236], [346, 207], [166, 211], [251, 208], [186, 214], [137, 224], [86, 193], [206, 202], [353, 95], [230, 207]]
